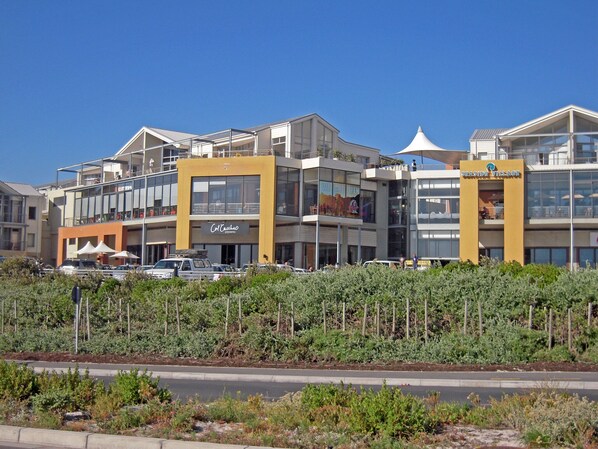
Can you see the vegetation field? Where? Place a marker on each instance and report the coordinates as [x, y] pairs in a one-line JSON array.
[[319, 416], [459, 314]]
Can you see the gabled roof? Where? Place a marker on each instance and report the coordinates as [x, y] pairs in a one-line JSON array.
[[549, 118]]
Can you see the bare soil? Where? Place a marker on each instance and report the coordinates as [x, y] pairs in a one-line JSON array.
[[237, 362]]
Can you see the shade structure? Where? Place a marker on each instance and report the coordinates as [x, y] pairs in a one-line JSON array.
[[87, 249], [576, 196], [102, 248], [422, 146], [124, 255]]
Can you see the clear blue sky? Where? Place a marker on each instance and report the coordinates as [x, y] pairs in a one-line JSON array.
[[79, 78]]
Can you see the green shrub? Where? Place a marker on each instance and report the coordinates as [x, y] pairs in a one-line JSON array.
[[557, 354], [390, 413], [17, 381], [52, 401], [133, 388], [590, 355]]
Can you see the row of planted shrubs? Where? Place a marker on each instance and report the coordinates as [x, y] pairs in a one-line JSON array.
[[320, 415], [503, 293]]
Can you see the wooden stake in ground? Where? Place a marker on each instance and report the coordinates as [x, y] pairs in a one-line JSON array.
[[465, 319], [2, 317], [394, 318], [408, 319], [278, 318], [550, 329], [365, 317], [240, 318], [120, 314], [589, 314], [292, 319], [426, 320], [87, 319], [480, 322], [178, 317], [344, 316], [324, 316], [569, 331], [531, 316], [377, 319], [16, 317], [128, 322], [166, 318], [226, 317]]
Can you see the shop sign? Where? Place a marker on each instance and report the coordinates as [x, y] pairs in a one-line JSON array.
[[594, 239], [225, 228], [491, 171]]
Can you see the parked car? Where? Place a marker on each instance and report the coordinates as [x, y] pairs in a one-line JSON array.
[[267, 267], [77, 266], [387, 263], [119, 272], [221, 268], [188, 267]]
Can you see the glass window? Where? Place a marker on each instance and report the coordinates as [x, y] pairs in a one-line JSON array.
[[287, 191]]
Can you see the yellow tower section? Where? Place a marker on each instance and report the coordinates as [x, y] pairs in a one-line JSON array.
[[511, 174], [263, 166]]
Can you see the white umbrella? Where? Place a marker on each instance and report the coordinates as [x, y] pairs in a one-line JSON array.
[[125, 255], [87, 249], [103, 248], [576, 196]]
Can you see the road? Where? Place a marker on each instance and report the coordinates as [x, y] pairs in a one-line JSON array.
[[212, 382]]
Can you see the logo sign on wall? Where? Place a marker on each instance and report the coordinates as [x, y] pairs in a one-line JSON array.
[[225, 228], [594, 239]]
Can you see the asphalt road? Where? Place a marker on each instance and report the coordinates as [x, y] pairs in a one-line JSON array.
[[209, 383]]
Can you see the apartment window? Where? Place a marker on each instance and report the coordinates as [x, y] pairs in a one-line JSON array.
[[554, 256], [32, 212], [279, 146], [30, 240]]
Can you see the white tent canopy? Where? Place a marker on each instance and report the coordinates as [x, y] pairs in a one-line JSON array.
[[87, 249], [124, 255], [422, 146], [103, 248]]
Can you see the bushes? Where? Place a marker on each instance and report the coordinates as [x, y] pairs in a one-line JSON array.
[[504, 291], [385, 413], [132, 388]]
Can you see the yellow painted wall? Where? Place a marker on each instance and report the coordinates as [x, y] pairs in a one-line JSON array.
[[264, 166], [514, 197]]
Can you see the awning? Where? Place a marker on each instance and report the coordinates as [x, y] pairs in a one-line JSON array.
[[422, 146]]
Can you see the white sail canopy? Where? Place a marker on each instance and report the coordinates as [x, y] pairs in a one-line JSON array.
[[422, 146], [103, 248], [87, 249]]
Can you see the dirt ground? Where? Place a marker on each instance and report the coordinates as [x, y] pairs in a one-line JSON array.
[[158, 360]]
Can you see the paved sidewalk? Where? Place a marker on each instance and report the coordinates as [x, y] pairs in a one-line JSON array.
[[87, 440]]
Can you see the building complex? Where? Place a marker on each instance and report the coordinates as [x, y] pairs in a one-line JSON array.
[[295, 191]]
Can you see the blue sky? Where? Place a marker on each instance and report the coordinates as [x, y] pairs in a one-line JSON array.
[[79, 78]]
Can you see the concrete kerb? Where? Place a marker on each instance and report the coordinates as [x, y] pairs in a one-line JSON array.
[[367, 381], [86, 440]]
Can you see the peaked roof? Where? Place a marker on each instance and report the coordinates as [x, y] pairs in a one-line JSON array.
[[422, 146], [549, 118]]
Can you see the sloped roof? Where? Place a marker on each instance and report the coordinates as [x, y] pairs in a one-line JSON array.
[[487, 134], [422, 146], [23, 189], [173, 136], [549, 118]]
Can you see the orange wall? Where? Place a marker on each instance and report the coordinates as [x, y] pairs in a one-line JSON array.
[[100, 231]]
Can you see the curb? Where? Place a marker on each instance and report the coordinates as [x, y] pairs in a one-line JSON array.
[[367, 381], [87, 440]]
